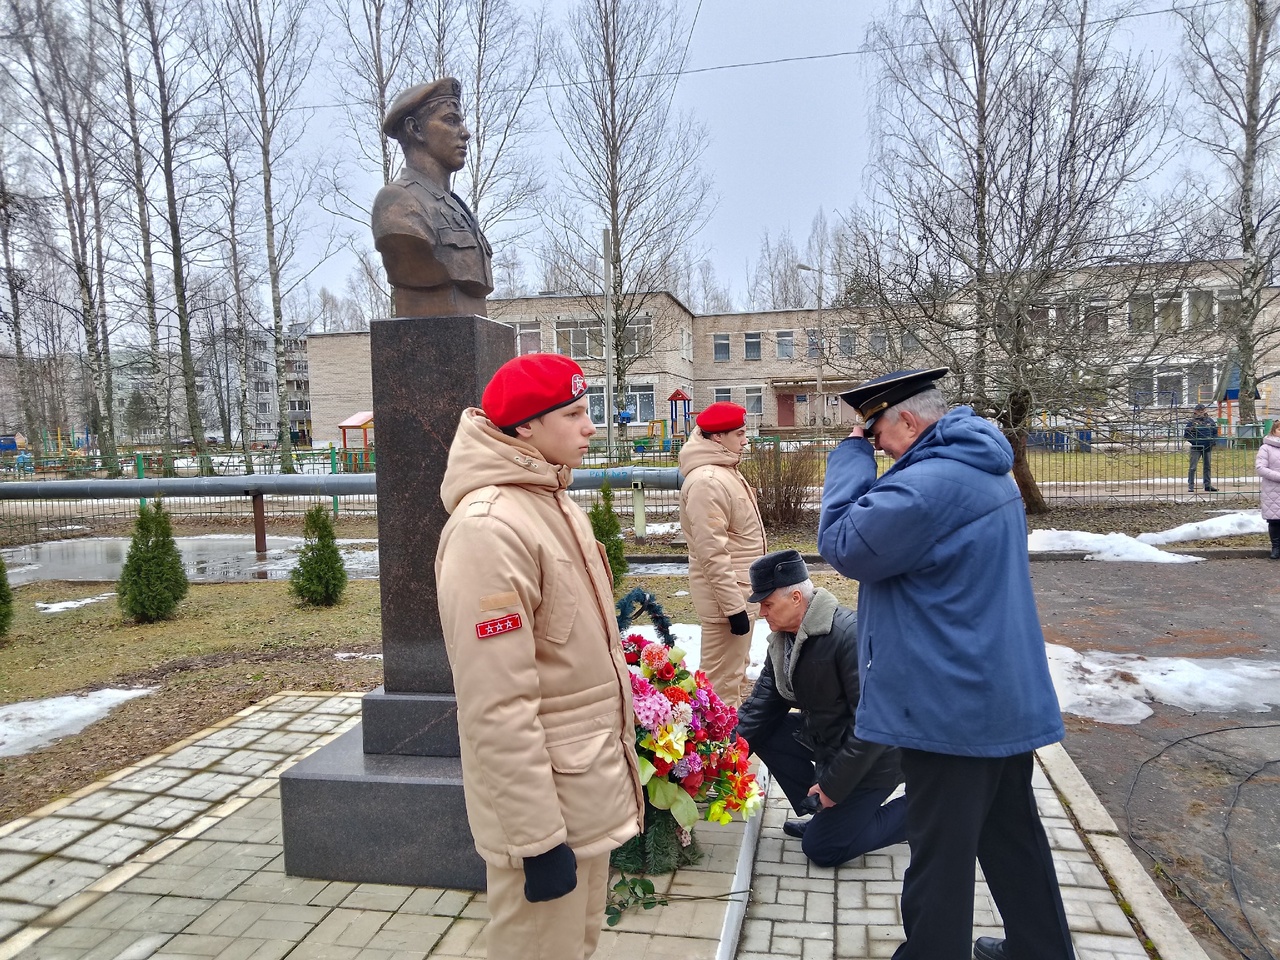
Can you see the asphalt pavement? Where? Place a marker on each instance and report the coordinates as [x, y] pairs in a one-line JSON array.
[[1196, 795]]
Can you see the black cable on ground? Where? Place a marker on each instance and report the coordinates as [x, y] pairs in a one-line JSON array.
[[1226, 839]]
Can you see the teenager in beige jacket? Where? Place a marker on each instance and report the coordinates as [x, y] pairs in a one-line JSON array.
[[544, 699], [721, 523]]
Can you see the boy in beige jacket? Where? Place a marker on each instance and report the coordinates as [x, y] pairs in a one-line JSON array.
[[721, 523], [544, 698]]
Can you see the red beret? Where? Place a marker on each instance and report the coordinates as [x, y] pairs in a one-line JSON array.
[[529, 386], [721, 417]]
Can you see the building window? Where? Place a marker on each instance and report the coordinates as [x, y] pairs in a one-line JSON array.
[[262, 386], [723, 395], [755, 400], [878, 342], [1169, 315], [264, 408], [686, 345], [1141, 386], [815, 343], [640, 402], [1141, 313], [720, 347], [528, 337], [1095, 319], [751, 346], [580, 339], [846, 341], [910, 344], [1169, 386], [595, 404], [786, 344], [639, 336], [1229, 313], [1200, 313]]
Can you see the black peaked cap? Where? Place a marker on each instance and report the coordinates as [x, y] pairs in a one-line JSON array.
[[875, 396]]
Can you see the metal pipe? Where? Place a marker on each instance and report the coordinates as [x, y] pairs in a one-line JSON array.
[[318, 484]]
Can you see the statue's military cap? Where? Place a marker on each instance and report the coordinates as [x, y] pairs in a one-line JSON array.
[[419, 95], [875, 396]]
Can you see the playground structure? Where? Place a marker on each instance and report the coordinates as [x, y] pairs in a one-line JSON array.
[[359, 459], [661, 433]]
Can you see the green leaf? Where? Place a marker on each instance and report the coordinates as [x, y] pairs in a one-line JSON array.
[[647, 770], [684, 809], [662, 793]]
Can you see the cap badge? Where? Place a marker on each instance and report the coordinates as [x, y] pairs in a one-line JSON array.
[[578, 385]]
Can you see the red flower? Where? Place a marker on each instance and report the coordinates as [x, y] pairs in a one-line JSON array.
[[667, 671], [693, 783], [661, 767], [675, 694]]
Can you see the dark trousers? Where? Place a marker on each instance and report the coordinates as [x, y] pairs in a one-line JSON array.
[[1196, 454], [964, 808], [856, 825], [1273, 529]]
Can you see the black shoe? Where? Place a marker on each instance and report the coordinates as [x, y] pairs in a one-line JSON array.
[[795, 828], [1210, 489], [988, 948], [1275, 553], [1191, 489]]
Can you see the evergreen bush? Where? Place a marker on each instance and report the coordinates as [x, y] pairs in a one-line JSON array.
[[153, 582], [319, 578], [608, 530], [6, 601]]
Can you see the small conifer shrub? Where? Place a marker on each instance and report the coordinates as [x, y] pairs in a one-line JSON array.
[[608, 530], [153, 581], [319, 578]]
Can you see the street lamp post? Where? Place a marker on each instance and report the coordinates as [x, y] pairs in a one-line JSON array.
[[818, 323]]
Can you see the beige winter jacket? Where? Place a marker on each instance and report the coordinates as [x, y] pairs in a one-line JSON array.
[[721, 524], [544, 699]]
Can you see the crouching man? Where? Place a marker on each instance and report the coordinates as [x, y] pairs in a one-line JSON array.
[[817, 760], [549, 766]]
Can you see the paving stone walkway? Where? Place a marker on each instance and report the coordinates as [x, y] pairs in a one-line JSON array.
[[179, 857]]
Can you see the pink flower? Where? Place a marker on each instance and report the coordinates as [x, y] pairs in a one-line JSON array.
[[652, 711]]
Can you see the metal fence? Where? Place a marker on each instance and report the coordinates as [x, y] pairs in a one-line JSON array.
[[1073, 466]]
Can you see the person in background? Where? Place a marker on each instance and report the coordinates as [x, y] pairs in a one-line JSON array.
[[1267, 466], [953, 661], [800, 716], [1202, 433], [549, 766], [721, 524]]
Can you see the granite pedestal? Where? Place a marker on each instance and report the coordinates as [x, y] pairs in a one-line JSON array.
[[392, 811]]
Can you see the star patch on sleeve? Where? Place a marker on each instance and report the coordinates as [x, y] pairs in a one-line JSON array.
[[491, 628]]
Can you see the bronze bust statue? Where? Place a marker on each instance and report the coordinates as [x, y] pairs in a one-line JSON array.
[[436, 258]]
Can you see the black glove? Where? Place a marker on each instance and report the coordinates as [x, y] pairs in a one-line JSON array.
[[739, 623], [550, 875]]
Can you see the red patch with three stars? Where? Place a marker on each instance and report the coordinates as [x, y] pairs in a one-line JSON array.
[[491, 628]]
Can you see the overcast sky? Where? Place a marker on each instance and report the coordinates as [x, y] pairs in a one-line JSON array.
[[784, 90]]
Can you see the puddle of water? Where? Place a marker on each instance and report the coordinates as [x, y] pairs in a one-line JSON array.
[[206, 559]]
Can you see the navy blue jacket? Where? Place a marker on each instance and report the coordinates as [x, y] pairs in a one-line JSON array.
[[952, 655], [1201, 431]]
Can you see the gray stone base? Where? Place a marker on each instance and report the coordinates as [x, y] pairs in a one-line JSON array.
[[368, 818], [415, 724]]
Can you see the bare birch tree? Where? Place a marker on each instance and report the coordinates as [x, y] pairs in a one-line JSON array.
[[1232, 68], [504, 60], [1013, 143], [59, 65], [272, 46], [633, 165]]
